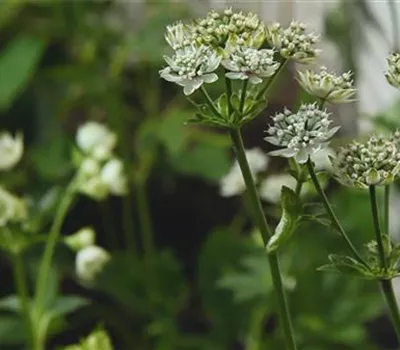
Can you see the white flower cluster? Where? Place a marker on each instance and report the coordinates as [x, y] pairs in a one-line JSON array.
[[11, 150], [302, 133], [249, 63], [393, 73], [360, 165], [90, 258], [327, 86], [12, 208], [191, 66], [100, 172], [293, 42], [232, 184]]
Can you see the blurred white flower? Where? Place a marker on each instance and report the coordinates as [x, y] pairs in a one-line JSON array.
[[321, 159], [81, 239], [113, 176], [93, 187], [270, 188], [328, 86], [11, 149], [12, 208], [89, 167], [191, 66], [249, 63], [232, 184], [90, 261], [96, 140]]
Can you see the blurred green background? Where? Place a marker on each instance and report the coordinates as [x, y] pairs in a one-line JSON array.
[[202, 282]]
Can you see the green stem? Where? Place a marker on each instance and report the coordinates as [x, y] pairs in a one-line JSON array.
[[44, 269], [387, 209], [266, 233], [210, 102], [23, 293], [388, 292], [144, 218], [271, 81], [299, 186], [377, 228], [228, 85], [243, 96], [331, 214]]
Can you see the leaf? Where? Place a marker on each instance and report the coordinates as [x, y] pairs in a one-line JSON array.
[[11, 303], [291, 210], [18, 62], [346, 265], [67, 304], [12, 331]]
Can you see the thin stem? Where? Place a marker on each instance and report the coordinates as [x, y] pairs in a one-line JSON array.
[[228, 85], [388, 292], [334, 220], [271, 81], [299, 186], [243, 96], [377, 228], [144, 218], [44, 269], [23, 293], [387, 210], [210, 102], [266, 233], [395, 24]]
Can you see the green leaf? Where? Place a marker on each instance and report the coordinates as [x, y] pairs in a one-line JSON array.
[[12, 331], [291, 211], [346, 265], [18, 62], [11, 303], [66, 304]]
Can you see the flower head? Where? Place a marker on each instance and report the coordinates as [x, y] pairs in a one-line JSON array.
[[11, 150], [232, 184], [179, 35], [191, 66], [393, 73], [300, 134], [249, 63], [96, 140], [328, 86], [90, 261], [113, 176], [361, 165], [293, 42], [217, 28]]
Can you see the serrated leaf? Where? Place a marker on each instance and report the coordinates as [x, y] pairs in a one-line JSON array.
[[347, 266]]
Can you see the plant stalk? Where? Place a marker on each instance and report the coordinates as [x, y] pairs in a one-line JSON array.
[[266, 233], [387, 210], [334, 220]]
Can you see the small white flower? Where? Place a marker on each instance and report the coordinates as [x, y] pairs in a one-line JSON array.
[[12, 208], [300, 134], [293, 42], [328, 86], [11, 149], [191, 66], [81, 239], [93, 187], [232, 184], [249, 63], [393, 73], [270, 188], [178, 35], [96, 140], [89, 262], [113, 175], [89, 167]]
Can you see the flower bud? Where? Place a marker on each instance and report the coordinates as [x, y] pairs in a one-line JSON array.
[[81, 239], [89, 262], [11, 150]]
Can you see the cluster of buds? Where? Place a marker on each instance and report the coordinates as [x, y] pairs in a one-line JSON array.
[[293, 42], [393, 73], [300, 134], [327, 86], [361, 165], [100, 172]]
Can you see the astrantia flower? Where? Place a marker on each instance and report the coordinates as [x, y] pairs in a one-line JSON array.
[[328, 86], [393, 73], [11, 149], [191, 66], [113, 175], [300, 134], [293, 42], [249, 63], [179, 35], [96, 140], [232, 184], [360, 165], [89, 262], [216, 28]]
